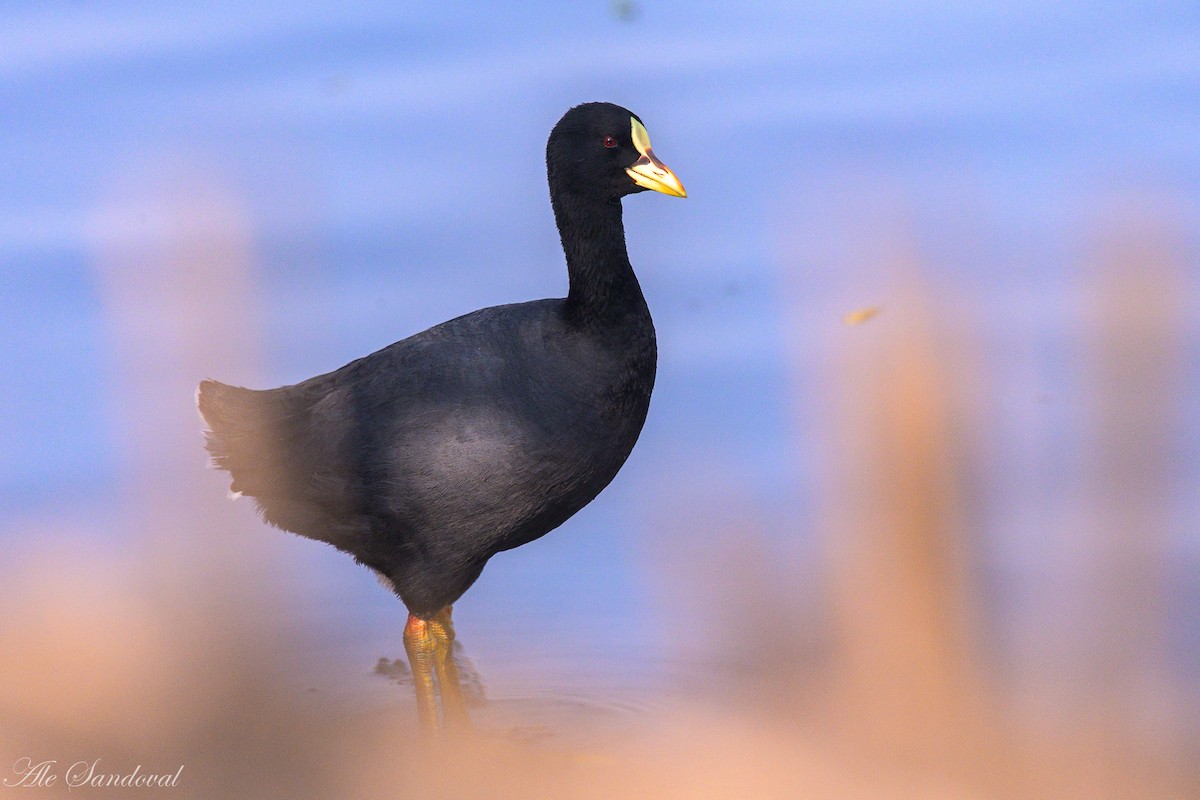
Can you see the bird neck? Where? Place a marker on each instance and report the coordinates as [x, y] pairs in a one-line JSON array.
[[593, 239]]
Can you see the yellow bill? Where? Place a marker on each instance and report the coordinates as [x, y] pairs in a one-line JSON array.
[[648, 172]]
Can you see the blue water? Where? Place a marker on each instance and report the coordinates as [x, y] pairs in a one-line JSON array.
[[386, 164]]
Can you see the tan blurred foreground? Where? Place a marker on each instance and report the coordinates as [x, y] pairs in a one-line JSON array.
[[870, 683]]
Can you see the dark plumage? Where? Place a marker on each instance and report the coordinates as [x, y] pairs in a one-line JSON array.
[[426, 458]]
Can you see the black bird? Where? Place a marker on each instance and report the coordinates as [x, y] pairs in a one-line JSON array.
[[428, 457]]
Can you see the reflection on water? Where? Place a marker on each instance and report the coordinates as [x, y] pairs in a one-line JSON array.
[[550, 717], [397, 671]]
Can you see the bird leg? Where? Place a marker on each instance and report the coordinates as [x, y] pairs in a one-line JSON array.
[[445, 619], [428, 643], [420, 644], [454, 705]]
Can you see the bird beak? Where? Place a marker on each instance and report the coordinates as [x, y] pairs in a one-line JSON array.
[[648, 172]]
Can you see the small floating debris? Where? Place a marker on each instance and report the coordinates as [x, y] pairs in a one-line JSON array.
[[394, 670], [861, 315]]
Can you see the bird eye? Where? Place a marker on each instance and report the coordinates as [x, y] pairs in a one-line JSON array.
[[610, 141]]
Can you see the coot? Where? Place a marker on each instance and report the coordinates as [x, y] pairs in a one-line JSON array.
[[428, 457]]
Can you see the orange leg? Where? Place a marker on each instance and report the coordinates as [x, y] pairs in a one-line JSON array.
[[428, 643]]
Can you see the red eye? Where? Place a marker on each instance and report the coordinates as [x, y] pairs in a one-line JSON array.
[[610, 141]]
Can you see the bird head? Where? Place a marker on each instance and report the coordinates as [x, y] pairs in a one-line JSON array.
[[603, 150]]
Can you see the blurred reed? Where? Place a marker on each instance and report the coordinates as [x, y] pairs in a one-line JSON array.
[[862, 668]]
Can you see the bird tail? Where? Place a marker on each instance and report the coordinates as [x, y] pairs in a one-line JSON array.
[[241, 436], [261, 438]]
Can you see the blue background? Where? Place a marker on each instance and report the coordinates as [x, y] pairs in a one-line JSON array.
[[382, 165]]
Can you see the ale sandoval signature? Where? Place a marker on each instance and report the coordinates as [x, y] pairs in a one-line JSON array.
[[30, 773]]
